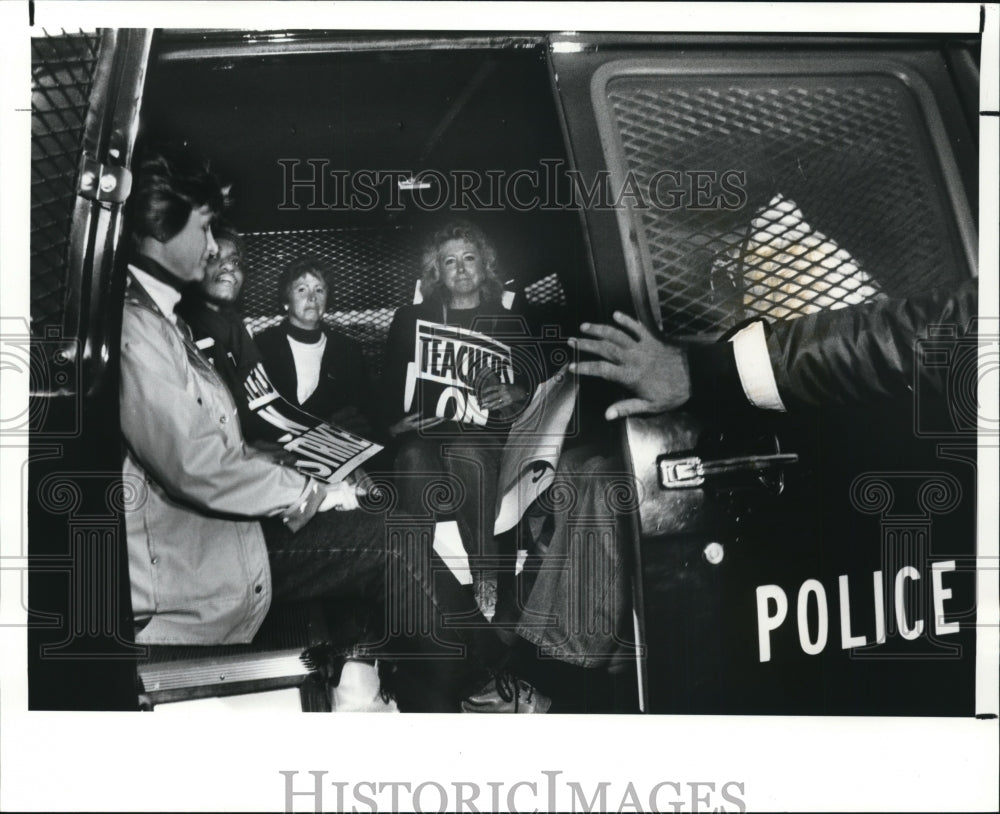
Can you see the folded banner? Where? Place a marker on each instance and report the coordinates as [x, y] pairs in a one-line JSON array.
[[449, 369], [531, 455], [321, 449]]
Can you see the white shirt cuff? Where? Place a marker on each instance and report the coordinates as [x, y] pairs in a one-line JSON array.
[[754, 366]]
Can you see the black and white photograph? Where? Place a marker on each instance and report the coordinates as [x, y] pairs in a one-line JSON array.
[[372, 366]]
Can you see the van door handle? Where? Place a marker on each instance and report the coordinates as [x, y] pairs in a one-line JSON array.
[[691, 471]]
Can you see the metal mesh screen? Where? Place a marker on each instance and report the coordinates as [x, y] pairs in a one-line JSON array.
[[372, 273], [62, 69], [547, 291], [786, 194]]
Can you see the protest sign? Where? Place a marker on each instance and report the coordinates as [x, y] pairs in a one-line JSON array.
[[449, 370], [321, 449]]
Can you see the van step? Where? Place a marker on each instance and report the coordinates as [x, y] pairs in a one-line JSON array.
[[273, 660]]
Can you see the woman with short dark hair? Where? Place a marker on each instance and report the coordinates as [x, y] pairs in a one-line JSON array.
[[315, 368]]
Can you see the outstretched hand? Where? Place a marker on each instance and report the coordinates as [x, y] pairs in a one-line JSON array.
[[655, 372]]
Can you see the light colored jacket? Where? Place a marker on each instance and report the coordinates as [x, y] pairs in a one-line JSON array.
[[197, 560]]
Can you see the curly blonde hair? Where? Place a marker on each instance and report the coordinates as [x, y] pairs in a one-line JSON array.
[[430, 281]]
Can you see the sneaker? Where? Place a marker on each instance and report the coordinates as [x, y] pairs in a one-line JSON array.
[[485, 591], [507, 693]]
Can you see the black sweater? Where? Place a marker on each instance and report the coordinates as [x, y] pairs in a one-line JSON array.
[[343, 378]]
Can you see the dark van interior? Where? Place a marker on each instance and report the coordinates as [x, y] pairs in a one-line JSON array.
[[274, 123], [293, 131]]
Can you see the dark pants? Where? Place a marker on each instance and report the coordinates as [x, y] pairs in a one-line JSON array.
[[429, 624], [576, 605], [456, 473]]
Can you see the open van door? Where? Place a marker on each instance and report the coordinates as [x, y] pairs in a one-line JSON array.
[[817, 563], [86, 89]]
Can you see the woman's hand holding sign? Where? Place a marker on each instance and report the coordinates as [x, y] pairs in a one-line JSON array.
[[657, 373], [499, 396]]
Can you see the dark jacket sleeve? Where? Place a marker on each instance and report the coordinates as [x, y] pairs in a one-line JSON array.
[[843, 357], [346, 358], [855, 355], [247, 358], [346, 383], [278, 361], [398, 352], [234, 355]]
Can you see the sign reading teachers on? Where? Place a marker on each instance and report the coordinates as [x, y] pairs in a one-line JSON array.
[[450, 368]]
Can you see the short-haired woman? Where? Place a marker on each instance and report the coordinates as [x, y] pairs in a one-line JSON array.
[[312, 366]]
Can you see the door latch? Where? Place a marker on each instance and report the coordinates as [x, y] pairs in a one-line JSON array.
[[691, 472], [103, 182]]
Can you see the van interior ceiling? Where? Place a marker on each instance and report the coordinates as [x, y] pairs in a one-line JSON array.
[[269, 121]]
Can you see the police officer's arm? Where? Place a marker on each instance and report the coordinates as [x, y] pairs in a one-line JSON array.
[[866, 353], [631, 355], [847, 356]]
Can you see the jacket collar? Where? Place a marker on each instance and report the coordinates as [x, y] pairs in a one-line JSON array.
[[137, 295], [157, 271], [164, 296]]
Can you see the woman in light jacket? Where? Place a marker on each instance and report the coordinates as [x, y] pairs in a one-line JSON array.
[[199, 566]]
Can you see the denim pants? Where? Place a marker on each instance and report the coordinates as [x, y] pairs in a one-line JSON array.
[[428, 622], [454, 473], [576, 597]]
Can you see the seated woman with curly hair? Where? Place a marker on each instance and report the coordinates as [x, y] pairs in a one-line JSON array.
[[452, 390]]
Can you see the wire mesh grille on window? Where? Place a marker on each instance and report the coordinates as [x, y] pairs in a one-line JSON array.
[[62, 69], [783, 196], [372, 272], [546, 291]]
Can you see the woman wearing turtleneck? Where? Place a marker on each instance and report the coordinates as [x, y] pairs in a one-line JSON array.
[[313, 367]]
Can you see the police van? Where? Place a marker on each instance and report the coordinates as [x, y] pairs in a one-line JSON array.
[[813, 562]]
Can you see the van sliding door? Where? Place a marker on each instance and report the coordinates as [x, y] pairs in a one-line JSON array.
[[741, 181], [86, 89]]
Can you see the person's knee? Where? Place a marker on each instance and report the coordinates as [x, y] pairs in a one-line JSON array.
[[417, 455]]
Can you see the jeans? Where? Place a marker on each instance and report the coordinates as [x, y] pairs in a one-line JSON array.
[[576, 593], [429, 623], [454, 473]]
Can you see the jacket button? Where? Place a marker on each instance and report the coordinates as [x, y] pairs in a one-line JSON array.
[[223, 419], [257, 589], [155, 560]]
